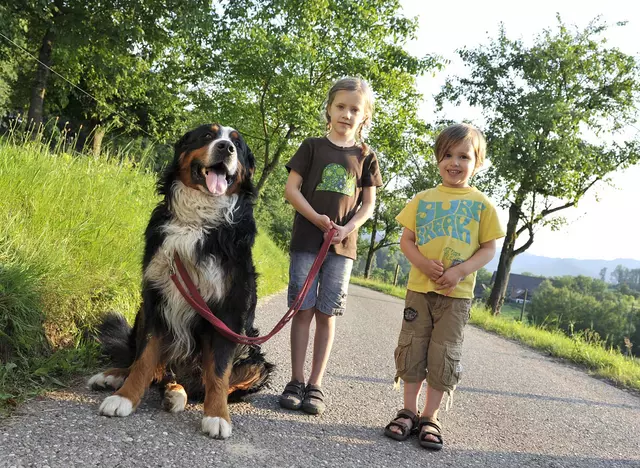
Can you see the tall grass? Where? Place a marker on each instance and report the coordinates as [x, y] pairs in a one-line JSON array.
[[582, 348], [71, 241]]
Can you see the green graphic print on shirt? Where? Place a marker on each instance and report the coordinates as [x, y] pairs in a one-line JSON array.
[[433, 220], [335, 178]]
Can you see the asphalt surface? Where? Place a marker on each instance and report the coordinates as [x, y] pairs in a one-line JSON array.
[[515, 407]]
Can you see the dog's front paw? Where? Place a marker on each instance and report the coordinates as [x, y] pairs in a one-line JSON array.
[[115, 405], [101, 381], [216, 427]]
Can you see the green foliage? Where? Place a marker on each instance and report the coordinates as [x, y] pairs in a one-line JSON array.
[[136, 58], [274, 61], [483, 276], [586, 305], [543, 104]]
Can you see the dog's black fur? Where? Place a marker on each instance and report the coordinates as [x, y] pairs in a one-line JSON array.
[[207, 193]]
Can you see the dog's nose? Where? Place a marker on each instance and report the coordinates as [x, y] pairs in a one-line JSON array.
[[225, 147]]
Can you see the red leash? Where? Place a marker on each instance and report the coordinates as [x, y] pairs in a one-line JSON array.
[[195, 300]]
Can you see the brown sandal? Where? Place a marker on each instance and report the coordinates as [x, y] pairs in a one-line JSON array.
[[405, 429], [430, 426]]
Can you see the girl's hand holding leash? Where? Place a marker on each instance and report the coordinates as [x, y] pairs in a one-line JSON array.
[[449, 280], [323, 223], [341, 233]]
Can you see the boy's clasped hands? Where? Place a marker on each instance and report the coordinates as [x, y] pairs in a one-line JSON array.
[[445, 279]]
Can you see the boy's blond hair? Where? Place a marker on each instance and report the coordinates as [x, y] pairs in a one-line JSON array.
[[457, 133]]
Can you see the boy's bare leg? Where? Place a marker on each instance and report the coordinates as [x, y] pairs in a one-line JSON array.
[[299, 340], [322, 344], [431, 407], [411, 394]]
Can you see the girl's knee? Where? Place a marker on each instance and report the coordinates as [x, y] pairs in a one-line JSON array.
[[323, 319], [304, 316]]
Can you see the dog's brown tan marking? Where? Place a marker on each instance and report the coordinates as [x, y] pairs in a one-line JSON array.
[[185, 165], [216, 387], [237, 180], [142, 372], [215, 128], [243, 378]]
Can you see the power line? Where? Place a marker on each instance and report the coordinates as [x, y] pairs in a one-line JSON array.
[[133, 124]]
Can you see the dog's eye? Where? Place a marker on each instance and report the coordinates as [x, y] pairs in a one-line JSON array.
[[208, 136], [237, 143]]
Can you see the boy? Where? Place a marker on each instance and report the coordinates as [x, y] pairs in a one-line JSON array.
[[450, 232]]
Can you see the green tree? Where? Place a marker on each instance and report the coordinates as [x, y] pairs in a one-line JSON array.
[[603, 274], [620, 274], [274, 61], [135, 57], [541, 104], [9, 57], [575, 304], [483, 276]]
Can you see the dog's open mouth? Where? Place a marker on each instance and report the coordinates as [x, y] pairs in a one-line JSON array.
[[217, 178]]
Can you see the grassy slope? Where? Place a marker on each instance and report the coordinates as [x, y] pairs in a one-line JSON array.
[[71, 239], [599, 361]]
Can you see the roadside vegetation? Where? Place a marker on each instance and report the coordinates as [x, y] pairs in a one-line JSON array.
[[585, 347]]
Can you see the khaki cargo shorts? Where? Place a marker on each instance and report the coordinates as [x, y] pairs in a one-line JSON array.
[[430, 342]]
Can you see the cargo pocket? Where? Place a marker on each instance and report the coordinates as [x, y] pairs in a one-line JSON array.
[[401, 352], [452, 371]]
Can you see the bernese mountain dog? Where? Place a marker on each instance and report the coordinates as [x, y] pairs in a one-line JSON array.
[[206, 216]]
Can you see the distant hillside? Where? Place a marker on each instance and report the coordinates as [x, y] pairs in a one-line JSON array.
[[546, 266]]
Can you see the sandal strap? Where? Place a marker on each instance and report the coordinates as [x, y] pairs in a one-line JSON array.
[[405, 428], [406, 413], [430, 426]]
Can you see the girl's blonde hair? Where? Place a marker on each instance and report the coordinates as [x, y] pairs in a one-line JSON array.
[[457, 133], [353, 84]]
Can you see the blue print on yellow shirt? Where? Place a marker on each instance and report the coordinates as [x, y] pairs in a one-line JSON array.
[[433, 220]]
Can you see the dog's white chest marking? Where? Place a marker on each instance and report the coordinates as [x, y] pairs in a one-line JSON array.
[[195, 214]]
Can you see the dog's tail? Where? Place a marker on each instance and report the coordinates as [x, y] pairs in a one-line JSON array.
[[251, 371], [117, 339]]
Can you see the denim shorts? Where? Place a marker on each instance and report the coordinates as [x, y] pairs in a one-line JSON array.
[[328, 293]]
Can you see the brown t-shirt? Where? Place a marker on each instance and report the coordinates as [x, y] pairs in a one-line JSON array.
[[332, 182]]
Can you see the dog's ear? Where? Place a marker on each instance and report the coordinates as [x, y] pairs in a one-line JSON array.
[[181, 143], [251, 161]]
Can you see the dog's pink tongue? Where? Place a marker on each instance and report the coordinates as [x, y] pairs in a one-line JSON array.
[[216, 183]]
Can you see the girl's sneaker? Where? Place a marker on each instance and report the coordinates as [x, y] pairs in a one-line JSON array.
[[292, 395], [313, 402]]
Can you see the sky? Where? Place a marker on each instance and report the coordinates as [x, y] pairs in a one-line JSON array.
[[606, 229]]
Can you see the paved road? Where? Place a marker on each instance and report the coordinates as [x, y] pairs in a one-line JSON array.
[[515, 407]]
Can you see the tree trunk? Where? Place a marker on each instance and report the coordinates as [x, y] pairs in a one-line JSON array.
[[266, 172], [39, 88], [372, 242], [499, 289], [271, 165]]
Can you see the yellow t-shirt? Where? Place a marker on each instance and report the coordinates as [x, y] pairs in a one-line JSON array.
[[449, 225]]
